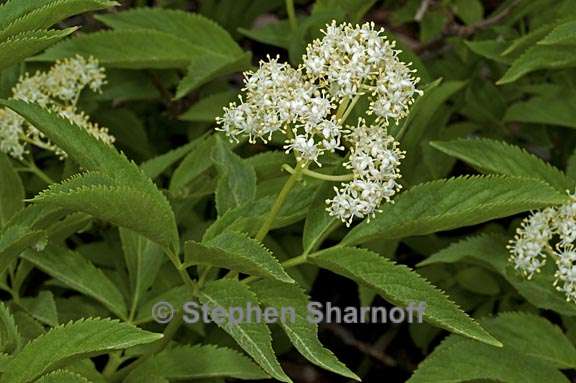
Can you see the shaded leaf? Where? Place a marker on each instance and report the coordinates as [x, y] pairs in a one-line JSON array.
[[11, 191], [236, 178], [498, 157], [199, 362], [302, 332], [401, 286], [253, 336], [74, 340], [80, 274], [458, 202], [238, 252]]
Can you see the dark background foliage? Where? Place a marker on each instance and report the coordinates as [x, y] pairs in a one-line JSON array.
[[495, 83]]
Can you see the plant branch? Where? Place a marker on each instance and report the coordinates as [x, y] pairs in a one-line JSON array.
[[291, 11], [280, 199], [320, 176], [365, 348]]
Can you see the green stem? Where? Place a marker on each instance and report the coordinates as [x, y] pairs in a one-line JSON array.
[[133, 308], [201, 279], [169, 333], [291, 15], [114, 361], [296, 261], [342, 108], [181, 270], [320, 176], [292, 262], [32, 168], [401, 132], [349, 108], [267, 225]]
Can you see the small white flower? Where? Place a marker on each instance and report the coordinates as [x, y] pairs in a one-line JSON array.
[[566, 273], [531, 240], [548, 233], [57, 90], [304, 147], [374, 161]]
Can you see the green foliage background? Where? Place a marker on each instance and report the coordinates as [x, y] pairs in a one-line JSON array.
[[171, 213]]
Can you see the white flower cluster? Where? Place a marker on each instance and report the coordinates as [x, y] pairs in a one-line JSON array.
[[57, 90], [308, 106], [352, 60], [548, 233], [374, 161]]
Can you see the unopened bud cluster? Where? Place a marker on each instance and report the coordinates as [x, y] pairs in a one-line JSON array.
[[306, 105], [57, 90], [548, 233]]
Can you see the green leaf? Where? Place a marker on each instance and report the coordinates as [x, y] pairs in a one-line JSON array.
[[26, 44], [528, 40], [124, 203], [62, 376], [401, 286], [417, 124], [48, 13], [457, 202], [536, 58], [490, 49], [10, 339], [238, 252], [210, 107], [319, 222], [564, 33], [555, 110], [478, 280], [78, 273], [539, 291], [158, 165], [176, 296], [89, 152], [209, 67], [470, 11], [194, 28], [248, 218], [254, 337], [42, 308], [73, 341], [212, 51], [302, 332], [121, 205], [130, 49], [29, 228], [11, 191], [197, 160], [15, 239], [236, 178], [535, 336], [499, 157], [128, 130], [199, 362], [277, 34], [571, 166], [12, 11], [143, 259], [523, 359]]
